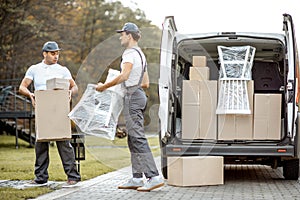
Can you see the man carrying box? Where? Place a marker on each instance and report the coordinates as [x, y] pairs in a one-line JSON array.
[[39, 74]]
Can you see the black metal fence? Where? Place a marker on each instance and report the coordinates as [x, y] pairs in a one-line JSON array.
[[16, 111]]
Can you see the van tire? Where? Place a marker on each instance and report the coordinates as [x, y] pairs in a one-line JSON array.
[[291, 169], [164, 163], [164, 159]]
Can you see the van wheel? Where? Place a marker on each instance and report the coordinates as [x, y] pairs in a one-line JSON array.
[[164, 163], [164, 159], [291, 169]]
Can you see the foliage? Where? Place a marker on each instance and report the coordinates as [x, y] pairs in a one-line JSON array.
[[77, 25], [84, 29]]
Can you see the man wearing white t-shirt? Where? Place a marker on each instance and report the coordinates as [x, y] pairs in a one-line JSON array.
[[39, 74], [134, 77]]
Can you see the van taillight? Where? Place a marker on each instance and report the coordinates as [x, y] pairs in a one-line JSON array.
[[176, 149], [281, 150]]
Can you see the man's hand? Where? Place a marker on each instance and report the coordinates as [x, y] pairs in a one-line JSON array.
[[70, 95], [32, 98], [100, 87]]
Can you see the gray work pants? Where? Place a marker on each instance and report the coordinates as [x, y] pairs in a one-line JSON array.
[[67, 156], [141, 157]]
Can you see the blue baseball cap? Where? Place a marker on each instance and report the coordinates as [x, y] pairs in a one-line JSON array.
[[51, 46], [130, 27]]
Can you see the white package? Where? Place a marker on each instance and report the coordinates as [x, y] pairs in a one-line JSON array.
[[97, 113]]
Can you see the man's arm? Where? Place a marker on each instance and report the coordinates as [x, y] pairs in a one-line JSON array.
[[23, 89], [123, 76], [145, 81], [73, 87]]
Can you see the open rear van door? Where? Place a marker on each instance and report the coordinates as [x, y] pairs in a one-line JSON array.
[[165, 80], [291, 93]]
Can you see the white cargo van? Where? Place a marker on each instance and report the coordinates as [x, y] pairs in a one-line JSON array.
[[274, 73]]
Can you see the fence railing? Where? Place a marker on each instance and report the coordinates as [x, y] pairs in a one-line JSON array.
[[16, 109]]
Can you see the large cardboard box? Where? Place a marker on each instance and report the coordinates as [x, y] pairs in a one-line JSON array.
[[195, 170], [199, 61], [51, 115], [199, 73], [267, 117], [199, 119], [58, 84], [237, 127]]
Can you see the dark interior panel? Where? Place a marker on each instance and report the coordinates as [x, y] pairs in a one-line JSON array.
[[267, 77]]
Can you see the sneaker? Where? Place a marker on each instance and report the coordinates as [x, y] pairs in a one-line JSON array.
[[70, 183], [132, 183], [152, 183], [34, 183]]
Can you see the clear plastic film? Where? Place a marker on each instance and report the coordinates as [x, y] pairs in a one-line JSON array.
[[233, 97], [97, 113], [236, 62], [235, 71]]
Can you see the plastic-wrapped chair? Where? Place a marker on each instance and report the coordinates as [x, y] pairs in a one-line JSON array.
[[97, 113], [236, 64]]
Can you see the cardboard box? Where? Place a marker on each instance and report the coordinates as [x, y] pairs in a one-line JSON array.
[[57, 84], [199, 119], [51, 115], [199, 61], [199, 73], [195, 170], [237, 126], [267, 117]]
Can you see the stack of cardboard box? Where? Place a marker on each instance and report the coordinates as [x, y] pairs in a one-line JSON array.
[[199, 119], [51, 111]]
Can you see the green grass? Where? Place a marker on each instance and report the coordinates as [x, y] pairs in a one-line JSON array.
[[102, 156]]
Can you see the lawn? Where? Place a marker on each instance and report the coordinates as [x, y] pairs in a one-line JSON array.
[[102, 156]]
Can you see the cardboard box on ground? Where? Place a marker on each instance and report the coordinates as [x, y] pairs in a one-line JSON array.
[[195, 170]]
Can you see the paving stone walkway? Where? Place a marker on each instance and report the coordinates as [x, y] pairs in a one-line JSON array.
[[240, 182]]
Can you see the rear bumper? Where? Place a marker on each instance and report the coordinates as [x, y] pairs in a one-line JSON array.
[[229, 150]]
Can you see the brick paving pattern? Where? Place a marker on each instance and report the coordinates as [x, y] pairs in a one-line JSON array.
[[240, 182]]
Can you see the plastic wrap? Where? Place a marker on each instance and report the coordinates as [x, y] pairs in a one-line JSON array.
[[233, 97], [236, 62], [97, 113], [235, 71]]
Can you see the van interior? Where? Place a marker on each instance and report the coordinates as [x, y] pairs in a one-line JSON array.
[[268, 71]]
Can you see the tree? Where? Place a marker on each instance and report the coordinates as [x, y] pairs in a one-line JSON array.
[[77, 25]]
